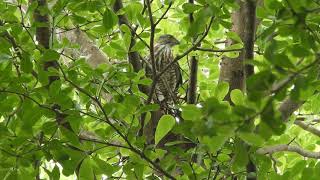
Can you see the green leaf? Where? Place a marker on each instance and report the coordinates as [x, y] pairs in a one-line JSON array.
[[55, 174], [138, 46], [191, 112], [105, 167], [165, 124], [251, 138], [237, 97], [199, 24], [149, 107], [300, 51], [190, 7], [214, 143], [281, 60], [50, 55], [221, 90], [26, 64], [241, 158], [234, 36], [110, 19], [86, 170]]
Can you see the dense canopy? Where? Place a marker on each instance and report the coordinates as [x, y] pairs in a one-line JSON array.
[[78, 83]]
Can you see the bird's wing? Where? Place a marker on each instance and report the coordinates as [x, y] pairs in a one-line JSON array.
[[178, 75]]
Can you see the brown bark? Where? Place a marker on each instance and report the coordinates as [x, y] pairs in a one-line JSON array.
[[287, 108], [193, 72], [133, 57], [248, 36], [43, 37], [193, 79], [87, 48], [134, 60], [234, 70]]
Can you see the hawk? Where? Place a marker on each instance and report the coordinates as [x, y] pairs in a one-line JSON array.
[[167, 85]]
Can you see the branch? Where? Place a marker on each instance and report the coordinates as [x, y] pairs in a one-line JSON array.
[[139, 37], [28, 97], [289, 106], [218, 50], [192, 48], [192, 85], [113, 126], [249, 33], [152, 32], [285, 147], [176, 59], [103, 142], [308, 127], [158, 21], [132, 56], [153, 64]]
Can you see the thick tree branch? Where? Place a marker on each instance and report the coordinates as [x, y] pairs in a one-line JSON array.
[[288, 106], [193, 71], [132, 56], [307, 127], [285, 147], [249, 32]]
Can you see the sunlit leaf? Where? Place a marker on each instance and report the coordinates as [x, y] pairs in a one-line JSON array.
[[165, 124]]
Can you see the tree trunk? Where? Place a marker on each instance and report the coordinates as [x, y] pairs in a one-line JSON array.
[[235, 70]]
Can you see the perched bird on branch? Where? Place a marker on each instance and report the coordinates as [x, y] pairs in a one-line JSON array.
[[167, 85]]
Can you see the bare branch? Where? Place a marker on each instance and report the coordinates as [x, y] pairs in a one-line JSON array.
[[158, 21], [289, 148], [308, 127], [218, 50]]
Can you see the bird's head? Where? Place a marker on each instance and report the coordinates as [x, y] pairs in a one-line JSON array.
[[168, 39]]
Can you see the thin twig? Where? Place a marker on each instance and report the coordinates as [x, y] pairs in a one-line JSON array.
[[218, 50], [159, 20]]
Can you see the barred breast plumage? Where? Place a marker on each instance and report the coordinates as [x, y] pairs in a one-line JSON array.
[[166, 87]]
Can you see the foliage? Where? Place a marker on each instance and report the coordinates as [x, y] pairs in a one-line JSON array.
[[103, 139]]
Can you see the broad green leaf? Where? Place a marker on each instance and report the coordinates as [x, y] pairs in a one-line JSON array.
[[240, 159], [190, 8], [214, 143], [109, 19], [200, 22], [105, 167], [191, 112], [50, 55], [300, 51], [165, 124], [138, 46], [26, 63], [237, 97], [251, 138], [234, 36], [221, 90], [86, 170], [55, 173], [149, 107]]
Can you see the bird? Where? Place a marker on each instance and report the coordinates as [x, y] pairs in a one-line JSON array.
[[165, 93]]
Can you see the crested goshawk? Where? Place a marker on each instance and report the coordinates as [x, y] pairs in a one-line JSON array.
[[167, 85]]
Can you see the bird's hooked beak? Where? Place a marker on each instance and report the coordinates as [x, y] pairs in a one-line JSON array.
[[176, 42]]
